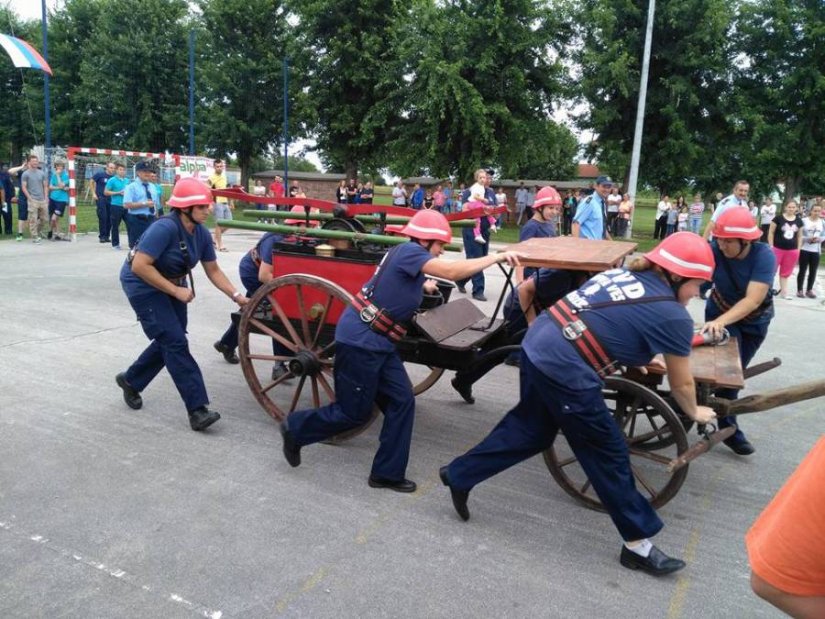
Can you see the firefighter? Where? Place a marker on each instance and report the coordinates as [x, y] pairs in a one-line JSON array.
[[368, 368], [154, 278], [622, 316], [740, 300]]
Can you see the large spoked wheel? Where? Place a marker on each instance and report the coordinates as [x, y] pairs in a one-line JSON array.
[[645, 419], [422, 377], [298, 313]]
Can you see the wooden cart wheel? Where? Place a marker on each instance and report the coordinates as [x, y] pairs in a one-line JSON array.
[[422, 377], [309, 336], [644, 418]]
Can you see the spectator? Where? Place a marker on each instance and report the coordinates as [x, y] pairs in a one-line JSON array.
[[785, 236], [352, 191], [417, 197], [139, 198], [341, 192], [754, 210], [521, 203], [428, 200], [589, 222], [528, 205], [6, 196], [438, 199], [114, 189], [613, 201], [695, 211], [276, 188], [399, 194], [479, 201], [153, 178], [767, 213], [22, 201], [501, 200], [258, 190], [786, 544], [813, 235], [458, 198], [367, 193], [58, 199], [34, 185], [568, 212], [682, 223], [102, 201], [673, 216], [222, 206], [448, 198], [473, 249], [623, 218], [739, 197], [662, 209]]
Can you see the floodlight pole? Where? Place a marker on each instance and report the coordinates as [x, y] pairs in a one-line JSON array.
[[192, 92], [286, 126], [640, 115], [46, 103]]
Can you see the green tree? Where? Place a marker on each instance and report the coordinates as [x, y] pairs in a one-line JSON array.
[[483, 77], [296, 164], [352, 71], [241, 49], [780, 89], [686, 132]]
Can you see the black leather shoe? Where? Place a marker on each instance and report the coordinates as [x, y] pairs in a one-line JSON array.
[[741, 447], [459, 496], [656, 563], [228, 353], [465, 391], [404, 485], [201, 418], [130, 395], [479, 297], [292, 452], [461, 289]]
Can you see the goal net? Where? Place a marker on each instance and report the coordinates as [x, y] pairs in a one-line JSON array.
[[83, 163]]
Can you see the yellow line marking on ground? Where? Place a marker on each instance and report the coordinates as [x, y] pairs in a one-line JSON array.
[[308, 585]]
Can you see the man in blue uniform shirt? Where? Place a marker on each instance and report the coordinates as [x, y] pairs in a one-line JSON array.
[[589, 221], [102, 201], [114, 190], [139, 200], [737, 198]]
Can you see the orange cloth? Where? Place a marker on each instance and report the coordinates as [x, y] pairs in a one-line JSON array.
[[786, 544]]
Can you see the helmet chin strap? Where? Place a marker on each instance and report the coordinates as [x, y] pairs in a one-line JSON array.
[[187, 212], [743, 245]]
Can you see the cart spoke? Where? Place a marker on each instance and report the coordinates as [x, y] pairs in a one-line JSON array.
[[322, 321], [286, 322], [275, 336], [259, 357], [585, 487], [276, 382], [650, 455], [567, 461], [324, 352], [641, 479], [296, 396], [299, 292], [316, 400], [326, 386]]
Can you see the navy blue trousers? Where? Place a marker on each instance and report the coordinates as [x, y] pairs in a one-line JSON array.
[[475, 250], [750, 338], [164, 319], [135, 227], [116, 215], [364, 377], [104, 225], [543, 409]]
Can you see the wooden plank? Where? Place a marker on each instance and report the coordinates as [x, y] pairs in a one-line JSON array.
[[566, 252], [469, 337], [448, 319], [718, 366]]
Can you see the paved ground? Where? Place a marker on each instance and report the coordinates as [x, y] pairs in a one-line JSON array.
[[109, 512]]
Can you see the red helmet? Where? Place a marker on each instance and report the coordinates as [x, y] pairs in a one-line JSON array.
[[428, 225], [297, 208], [547, 196], [190, 192], [736, 223], [685, 254]]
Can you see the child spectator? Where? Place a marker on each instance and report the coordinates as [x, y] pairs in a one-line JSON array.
[[428, 199], [58, 199], [438, 199], [697, 208], [682, 220], [672, 218]]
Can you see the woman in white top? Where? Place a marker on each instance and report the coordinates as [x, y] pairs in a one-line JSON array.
[[767, 213], [813, 234]]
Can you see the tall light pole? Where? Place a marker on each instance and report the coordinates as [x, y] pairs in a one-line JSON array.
[[46, 103], [640, 115], [286, 127]]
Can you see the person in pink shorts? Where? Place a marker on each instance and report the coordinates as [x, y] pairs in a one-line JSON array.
[[785, 236]]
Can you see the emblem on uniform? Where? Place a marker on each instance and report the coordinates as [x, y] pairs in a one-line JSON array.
[[573, 330]]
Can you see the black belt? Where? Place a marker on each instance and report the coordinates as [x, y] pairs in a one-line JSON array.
[[378, 319], [141, 217]]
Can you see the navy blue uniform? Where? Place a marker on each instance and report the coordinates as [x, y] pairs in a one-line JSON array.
[[535, 229], [559, 391], [103, 203], [162, 317], [369, 370], [248, 270], [758, 266], [8, 193]]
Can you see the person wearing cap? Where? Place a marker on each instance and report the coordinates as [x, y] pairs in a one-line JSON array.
[[139, 198], [626, 316], [590, 219], [368, 369], [740, 300], [255, 270], [541, 225], [738, 197], [154, 278]]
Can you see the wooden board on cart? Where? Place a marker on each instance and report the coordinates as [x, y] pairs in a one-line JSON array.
[[718, 366], [458, 325], [566, 252]]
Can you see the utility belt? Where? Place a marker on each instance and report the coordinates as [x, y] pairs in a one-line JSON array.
[[575, 330], [256, 256], [377, 318], [756, 314], [141, 217]]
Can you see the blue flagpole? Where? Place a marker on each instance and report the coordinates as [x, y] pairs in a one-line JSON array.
[[46, 103], [191, 92], [286, 127]]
